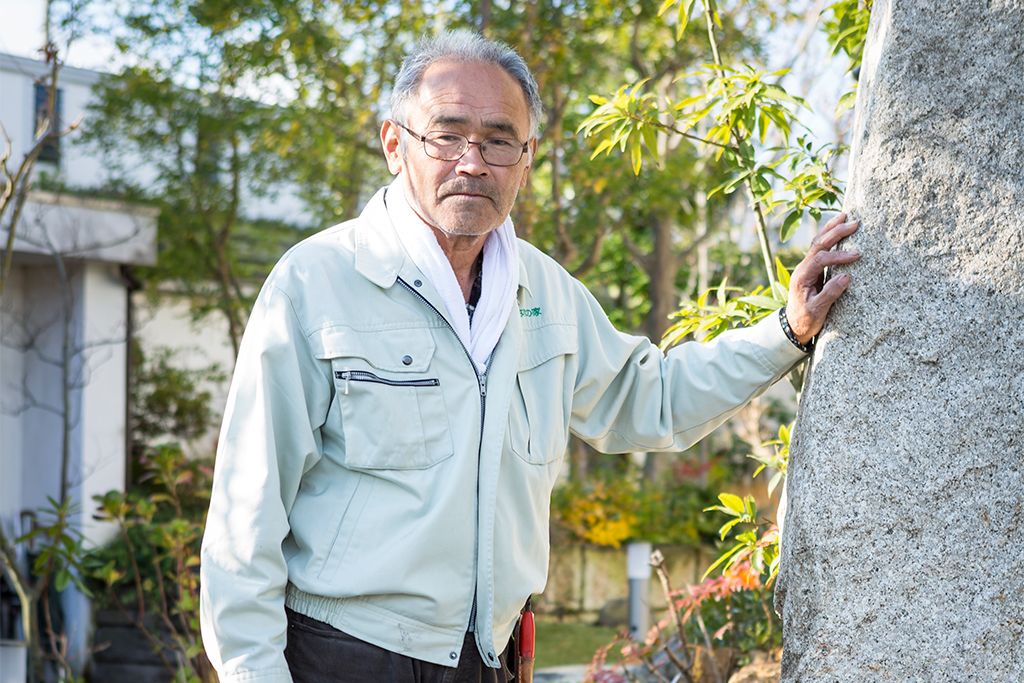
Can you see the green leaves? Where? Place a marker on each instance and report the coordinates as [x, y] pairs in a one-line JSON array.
[[742, 510], [764, 549], [741, 104], [779, 461], [633, 117], [811, 184], [790, 225], [683, 13], [746, 105], [706, 321], [847, 29], [847, 101], [59, 545], [153, 564]]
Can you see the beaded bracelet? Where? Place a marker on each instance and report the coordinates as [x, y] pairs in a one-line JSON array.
[[806, 348]]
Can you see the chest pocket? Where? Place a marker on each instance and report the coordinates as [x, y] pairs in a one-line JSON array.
[[390, 401], [537, 426]]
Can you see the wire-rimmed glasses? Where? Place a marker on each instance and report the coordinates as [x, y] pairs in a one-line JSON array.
[[446, 146]]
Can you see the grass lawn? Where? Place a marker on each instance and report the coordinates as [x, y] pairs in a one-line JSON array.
[[560, 643]]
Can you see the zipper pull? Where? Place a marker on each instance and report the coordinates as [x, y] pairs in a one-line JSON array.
[[346, 375], [482, 381]]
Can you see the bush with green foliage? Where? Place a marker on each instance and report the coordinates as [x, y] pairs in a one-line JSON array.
[[610, 509], [736, 107], [151, 573]]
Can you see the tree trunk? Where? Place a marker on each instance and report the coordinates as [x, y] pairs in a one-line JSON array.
[[903, 549], [664, 265]]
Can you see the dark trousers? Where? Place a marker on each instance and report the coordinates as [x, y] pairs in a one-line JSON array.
[[319, 653]]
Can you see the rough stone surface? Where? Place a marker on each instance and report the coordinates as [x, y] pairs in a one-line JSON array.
[[903, 549]]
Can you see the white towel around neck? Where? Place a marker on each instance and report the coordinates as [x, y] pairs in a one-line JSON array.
[[499, 284]]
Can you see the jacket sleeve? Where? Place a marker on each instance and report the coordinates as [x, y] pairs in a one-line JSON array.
[[629, 396], [270, 435]]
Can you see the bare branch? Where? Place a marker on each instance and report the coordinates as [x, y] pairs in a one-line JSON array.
[[30, 402], [641, 259], [658, 562], [593, 256], [653, 669], [683, 669], [707, 643], [634, 51], [77, 249], [18, 185], [697, 241]]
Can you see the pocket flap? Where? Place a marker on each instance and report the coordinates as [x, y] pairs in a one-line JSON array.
[[400, 350], [544, 343]]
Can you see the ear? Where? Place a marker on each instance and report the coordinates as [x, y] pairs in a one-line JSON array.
[[389, 140], [529, 163]]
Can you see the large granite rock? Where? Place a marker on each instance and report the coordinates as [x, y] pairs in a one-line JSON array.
[[903, 549]]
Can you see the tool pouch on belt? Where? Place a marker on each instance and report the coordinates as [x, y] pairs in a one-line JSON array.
[[520, 659]]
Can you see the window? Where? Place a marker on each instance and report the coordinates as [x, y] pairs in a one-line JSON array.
[[51, 149]]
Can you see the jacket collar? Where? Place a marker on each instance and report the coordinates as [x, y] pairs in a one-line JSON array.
[[379, 255], [524, 277]]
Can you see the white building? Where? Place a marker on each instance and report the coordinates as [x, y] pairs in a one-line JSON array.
[[64, 318], [94, 243]]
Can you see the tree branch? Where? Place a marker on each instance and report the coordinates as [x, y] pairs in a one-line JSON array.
[[641, 259], [593, 256]]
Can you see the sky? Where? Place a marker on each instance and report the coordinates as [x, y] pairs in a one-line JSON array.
[[21, 34]]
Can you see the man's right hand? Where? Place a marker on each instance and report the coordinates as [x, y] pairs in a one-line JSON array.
[[810, 298]]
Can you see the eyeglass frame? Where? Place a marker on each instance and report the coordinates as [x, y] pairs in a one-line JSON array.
[[423, 139]]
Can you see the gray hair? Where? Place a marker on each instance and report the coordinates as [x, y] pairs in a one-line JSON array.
[[462, 46]]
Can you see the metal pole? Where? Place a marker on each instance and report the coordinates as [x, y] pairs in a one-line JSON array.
[[638, 569]]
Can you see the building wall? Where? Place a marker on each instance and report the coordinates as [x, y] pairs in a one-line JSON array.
[[32, 382], [104, 399], [197, 345], [35, 325], [32, 388], [17, 78], [12, 370]]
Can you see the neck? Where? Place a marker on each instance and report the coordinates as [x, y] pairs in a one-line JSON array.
[[463, 252]]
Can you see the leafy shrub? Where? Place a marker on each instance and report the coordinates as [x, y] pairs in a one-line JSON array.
[[150, 574], [610, 510]]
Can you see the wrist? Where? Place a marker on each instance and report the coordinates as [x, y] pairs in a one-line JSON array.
[[791, 335]]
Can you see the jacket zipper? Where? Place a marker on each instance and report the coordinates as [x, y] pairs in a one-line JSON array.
[[363, 376], [481, 380]]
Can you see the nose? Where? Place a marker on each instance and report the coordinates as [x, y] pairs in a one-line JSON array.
[[472, 162]]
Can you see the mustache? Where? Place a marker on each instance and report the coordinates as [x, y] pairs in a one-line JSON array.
[[466, 186]]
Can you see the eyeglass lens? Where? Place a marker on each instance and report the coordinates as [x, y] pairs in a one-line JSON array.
[[450, 146]]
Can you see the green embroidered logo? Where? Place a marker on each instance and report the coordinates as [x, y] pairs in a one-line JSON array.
[[529, 312]]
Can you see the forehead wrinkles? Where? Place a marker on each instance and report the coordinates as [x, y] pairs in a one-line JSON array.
[[476, 95]]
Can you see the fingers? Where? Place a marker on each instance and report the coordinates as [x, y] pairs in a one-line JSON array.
[[825, 259], [835, 230], [819, 255], [809, 297], [808, 273], [830, 292]]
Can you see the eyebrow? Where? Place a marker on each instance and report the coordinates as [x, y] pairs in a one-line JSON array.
[[450, 120]]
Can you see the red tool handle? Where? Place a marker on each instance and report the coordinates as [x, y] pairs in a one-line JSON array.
[[527, 634]]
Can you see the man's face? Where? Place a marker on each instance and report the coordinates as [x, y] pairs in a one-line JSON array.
[[467, 196]]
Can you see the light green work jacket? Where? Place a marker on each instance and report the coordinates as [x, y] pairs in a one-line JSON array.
[[369, 478]]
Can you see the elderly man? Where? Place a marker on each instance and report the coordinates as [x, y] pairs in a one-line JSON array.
[[404, 393]]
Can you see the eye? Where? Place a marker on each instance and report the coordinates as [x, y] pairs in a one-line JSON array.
[[502, 143], [439, 138]]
